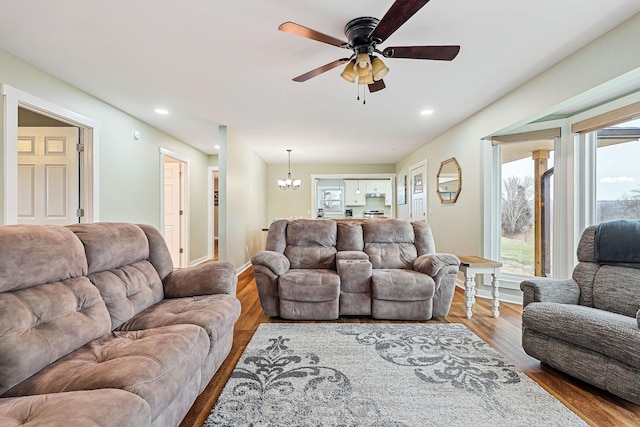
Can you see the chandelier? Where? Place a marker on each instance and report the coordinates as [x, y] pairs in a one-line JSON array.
[[289, 184]]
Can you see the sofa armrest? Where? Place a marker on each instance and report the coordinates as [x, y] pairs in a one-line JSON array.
[[86, 408], [431, 264], [209, 278], [274, 261], [542, 289]]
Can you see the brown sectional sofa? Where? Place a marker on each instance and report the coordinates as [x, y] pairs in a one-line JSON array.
[[323, 269], [96, 328]]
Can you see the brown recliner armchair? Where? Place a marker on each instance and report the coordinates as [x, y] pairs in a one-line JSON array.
[[589, 326]]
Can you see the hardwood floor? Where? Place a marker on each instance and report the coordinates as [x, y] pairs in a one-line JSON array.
[[596, 407]]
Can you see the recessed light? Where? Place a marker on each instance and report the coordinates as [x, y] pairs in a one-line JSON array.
[[161, 111], [217, 147], [426, 112]]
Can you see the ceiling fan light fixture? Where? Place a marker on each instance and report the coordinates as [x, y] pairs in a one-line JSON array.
[[378, 69], [365, 80], [349, 73], [363, 65]]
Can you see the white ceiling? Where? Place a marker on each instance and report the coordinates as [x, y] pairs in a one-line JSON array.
[[224, 62]]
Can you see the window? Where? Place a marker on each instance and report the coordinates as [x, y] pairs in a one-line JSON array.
[[617, 172], [331, 199], [526, 225]]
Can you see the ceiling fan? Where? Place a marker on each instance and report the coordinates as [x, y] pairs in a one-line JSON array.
[[364, 35]]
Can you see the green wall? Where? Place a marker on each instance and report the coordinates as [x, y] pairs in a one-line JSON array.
[[129, 170]]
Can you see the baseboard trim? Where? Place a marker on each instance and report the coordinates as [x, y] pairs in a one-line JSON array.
[[243, 268]]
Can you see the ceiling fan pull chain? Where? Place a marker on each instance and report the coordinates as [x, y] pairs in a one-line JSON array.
[[358, 97], [364, 95]]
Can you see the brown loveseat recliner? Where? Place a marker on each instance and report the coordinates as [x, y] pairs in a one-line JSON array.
[[322, 269], [96, 328]]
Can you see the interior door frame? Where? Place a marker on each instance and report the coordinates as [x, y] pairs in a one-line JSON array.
[[89, 133], [185, 201]]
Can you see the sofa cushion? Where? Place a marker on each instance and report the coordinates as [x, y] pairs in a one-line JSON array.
[[423, 238], [109, 245], [391, 255], [350, 237], [401, 285], [214, 313], [309, 285], [390, 243], [276, 237], [311, 243], [617, 289], [159, 255], [76, 408], [45, 323], [611, 334], [129, 289], [30, 255], [153, 363]]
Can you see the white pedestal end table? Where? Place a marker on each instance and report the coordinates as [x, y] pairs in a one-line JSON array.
[[472, 265]]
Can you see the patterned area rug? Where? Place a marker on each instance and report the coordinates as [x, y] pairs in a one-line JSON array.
[[387, 375]]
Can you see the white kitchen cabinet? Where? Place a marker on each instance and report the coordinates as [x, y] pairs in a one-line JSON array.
[[380, 186], [352, 196], [375, 185]]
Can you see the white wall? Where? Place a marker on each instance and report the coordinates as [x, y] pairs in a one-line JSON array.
[[243, 200], [458, 228], [129, 170]]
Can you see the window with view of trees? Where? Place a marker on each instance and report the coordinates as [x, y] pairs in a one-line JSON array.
[[617, 172], [525, 242]]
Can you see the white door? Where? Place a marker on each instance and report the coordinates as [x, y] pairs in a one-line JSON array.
[[173, 209], [418, 192], [48, 175]]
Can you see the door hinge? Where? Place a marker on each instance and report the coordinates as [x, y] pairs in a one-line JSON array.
[[181, 250], [80, 213], [181, 212], [80, 147]]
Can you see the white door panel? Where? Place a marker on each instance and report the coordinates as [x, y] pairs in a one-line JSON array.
[[48, 178], [418, 190], [172, 207]]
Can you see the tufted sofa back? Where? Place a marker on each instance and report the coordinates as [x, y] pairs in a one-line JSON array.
[[307, 243], [118, 259], [389, 243], [607, 286], [55, 308]]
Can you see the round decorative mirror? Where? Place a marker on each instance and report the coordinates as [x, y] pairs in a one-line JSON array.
[[449, 181]]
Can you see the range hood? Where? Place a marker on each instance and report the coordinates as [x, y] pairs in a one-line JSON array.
[[374, 195]]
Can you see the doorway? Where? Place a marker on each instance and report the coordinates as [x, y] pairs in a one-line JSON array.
[[88, 131], [48, 175], [174, 219]]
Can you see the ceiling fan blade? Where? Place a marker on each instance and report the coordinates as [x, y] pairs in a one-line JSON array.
[[313, 73], [438, 53], [398, 14], [376, 86], [299, 30]]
